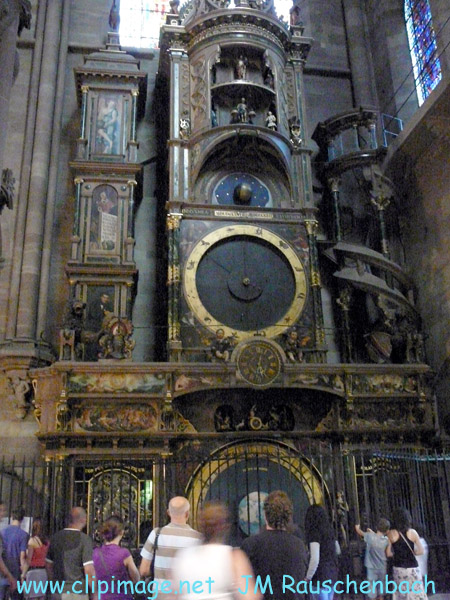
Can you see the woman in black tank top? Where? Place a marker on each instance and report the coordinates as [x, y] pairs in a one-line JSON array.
[[404, 545]]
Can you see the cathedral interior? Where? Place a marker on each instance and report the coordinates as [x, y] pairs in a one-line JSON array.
[[224, 260]]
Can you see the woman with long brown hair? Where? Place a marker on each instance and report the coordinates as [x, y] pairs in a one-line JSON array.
[[36, 552], [404, 546]]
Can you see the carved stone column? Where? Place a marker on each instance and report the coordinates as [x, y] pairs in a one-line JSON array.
[[363, 85], [14, 16], [311, 229], [39, 180], [173, 284], [334, 184], [179, 155], [381, 203], [344, 302]]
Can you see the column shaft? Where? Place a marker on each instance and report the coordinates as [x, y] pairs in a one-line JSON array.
[[39, 180]]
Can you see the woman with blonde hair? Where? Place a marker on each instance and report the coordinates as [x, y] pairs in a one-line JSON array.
[[223, 565]]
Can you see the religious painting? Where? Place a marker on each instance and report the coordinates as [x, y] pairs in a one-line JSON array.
[[107, 122], [99, 302], [112, 418], [104, 226]]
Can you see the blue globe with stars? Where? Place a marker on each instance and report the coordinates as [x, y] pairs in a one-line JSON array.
[[225, 190]]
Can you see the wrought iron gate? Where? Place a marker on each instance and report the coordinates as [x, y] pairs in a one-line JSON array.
[[356, 485]]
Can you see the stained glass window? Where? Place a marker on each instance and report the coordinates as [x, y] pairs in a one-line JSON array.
[[423, 48], [140, 22]]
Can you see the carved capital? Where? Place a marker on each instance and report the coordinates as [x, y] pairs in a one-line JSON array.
[[311, 226], [84, 89], [78, 180], [334, 184], [380, 202], [173, 222], [381, 187], [345, 299]]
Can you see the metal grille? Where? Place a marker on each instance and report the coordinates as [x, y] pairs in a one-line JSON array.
[[356, 485]]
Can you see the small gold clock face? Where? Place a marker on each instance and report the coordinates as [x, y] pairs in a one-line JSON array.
[[246, 280], [259, 363]]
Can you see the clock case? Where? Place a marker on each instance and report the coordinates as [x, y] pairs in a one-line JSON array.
[[192, 230]]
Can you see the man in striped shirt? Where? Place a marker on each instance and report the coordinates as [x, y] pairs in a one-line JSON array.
[[172, 537]]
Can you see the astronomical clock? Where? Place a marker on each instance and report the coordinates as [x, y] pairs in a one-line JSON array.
[[242, 248]]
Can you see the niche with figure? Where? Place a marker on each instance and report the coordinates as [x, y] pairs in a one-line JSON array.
[[243, 88]]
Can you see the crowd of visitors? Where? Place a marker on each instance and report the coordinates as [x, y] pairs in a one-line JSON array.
[[270, 565]]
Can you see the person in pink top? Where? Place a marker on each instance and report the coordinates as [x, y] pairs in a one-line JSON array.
[[112, 561]]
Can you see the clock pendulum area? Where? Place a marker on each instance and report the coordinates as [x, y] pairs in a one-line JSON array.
[[245, 279]]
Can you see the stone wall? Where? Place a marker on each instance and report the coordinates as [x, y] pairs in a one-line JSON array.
[[419, 163]]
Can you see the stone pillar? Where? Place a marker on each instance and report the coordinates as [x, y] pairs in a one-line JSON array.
[[8, 37], [173, 284], [334, 184], [37, 196], [358, 43], [301, 155], [53, 169], [344, 302], [316, 286], [179, 159], [14, 16], [381, 203]]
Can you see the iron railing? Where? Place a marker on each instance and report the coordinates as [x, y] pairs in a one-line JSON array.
[[356, 485]]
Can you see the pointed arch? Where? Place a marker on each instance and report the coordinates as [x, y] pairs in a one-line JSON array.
[[423, 47]]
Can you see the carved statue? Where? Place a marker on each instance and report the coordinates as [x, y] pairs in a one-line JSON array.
[[20, 386], [214, 122], [292, 347], [379, 340], [185, 128], [115, 338], [342, 510], [271, 121], [242, 111], [224, 418], [221, 347], [294, 16], [66, 344], [241, 67], [414, 347], [114, 17], [71, 345], [267, 73], [241, 114], [296, 132]]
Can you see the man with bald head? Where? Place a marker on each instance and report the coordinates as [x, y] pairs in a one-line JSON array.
[[167, 540], [69, 558]]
